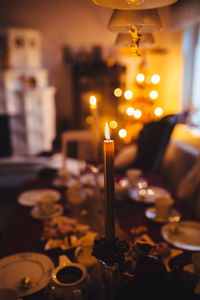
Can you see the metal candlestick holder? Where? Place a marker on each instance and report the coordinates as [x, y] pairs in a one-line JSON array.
[[110, 252]]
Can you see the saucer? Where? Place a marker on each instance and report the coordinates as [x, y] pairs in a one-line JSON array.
[[186, 237], [30, 198], [37, 214], [174, 215], [147, 195], [38, 267]]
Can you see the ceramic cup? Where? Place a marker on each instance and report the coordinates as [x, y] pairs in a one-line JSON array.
[[163, 206], [8, 294], [46, 203], [133, 175], [196, 263], [68, 278]]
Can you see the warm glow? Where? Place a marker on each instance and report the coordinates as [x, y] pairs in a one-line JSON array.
[[134, 2], [155, 79], [137, 113], [117, 92], [130, 111], [113, 124], [90, 119], [93, 101], [153, 94], [128, 94], [107, 133], [158, 111], [140, 77], [122, 133]]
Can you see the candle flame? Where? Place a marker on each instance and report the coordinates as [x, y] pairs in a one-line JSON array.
[[93, 102], [107, 133]]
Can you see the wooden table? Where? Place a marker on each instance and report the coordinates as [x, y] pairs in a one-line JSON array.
[[23, 233]]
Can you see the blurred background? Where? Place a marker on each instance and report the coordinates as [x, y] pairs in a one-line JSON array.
[[46, 90]]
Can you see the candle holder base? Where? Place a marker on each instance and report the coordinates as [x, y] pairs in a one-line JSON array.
[[110, 250]]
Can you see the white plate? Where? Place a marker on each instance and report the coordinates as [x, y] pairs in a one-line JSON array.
[[38, 267], [174, 216], [186, 237], [30, 198], [37, 214], [147, 195]]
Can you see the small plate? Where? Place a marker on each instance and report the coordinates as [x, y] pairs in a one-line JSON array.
[[37, 214], [147, 195], [186, 237], [38, 267], [174, 216], [30, 198]]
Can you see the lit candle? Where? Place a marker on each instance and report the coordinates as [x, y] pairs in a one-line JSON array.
[[109, 181], [96, 138]]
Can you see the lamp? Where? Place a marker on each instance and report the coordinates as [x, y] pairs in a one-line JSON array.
[[125, 39], [134, 4], [122, 21]]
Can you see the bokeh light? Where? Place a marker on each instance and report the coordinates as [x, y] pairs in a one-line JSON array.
[[122, 133], [128, 94], [153, 94], [113, 124], [137, 113], [93, 101], [90, 119], [140, 77], [130, 111], [117, 92], [155, 79], [158, 111]]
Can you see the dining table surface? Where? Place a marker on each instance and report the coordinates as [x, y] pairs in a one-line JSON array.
[[23, 232]]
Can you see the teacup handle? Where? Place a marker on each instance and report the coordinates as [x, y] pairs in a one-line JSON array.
[[64, 260], [78, 250]]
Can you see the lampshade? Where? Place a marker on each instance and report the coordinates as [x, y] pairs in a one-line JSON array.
[[121, 21], [125, 40], [134, 4]]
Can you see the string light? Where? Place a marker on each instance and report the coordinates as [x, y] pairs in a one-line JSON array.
[[153, 94], [140, 77], [128, 94], [117, 92], [113, 124], [130, 111], [155, 79], [137, 113], [122, 133], [158, 111]]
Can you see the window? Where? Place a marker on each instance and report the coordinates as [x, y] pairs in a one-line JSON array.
[[191, 83]]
